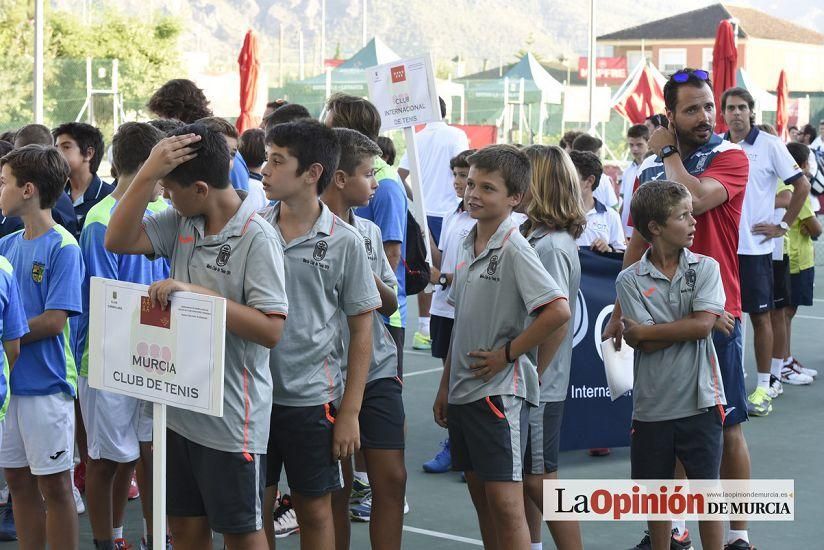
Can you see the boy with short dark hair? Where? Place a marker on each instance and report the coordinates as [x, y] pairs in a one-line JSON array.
[[82, 146], [490, 377], [117, 429], [314, 419], [238, 170], [603, 231], [638, 145], [38, 444], [251, 147], [208, 221], [382, 416], [670, 300]]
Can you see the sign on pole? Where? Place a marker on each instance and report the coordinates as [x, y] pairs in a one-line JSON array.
[[405, 95], [170, 357]]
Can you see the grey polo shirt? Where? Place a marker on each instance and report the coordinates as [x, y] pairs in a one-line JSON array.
[[683, 379], [494, 294], [559, 255], [327, 272], [384, 352], [242, 263]]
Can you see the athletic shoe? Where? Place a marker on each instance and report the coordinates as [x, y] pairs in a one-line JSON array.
[[78, 501], [405, 506], [802, 369], [759, 403], [421, 342], [7, 529], [776, 388], [134, 491], [360, 491], [4, 495], [677, 542], [80, 476], [442, 461], [286, 522], [739, 544], [599, 452], [121, 544], [362, 511], [794, 377], [145, 545]]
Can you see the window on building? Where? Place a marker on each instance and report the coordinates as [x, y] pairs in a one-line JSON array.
[[706, 59], [634, 56], [671, 60]]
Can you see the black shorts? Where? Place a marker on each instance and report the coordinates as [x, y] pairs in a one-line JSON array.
[[802, 284], [730, 352], [756, 275], [697, 441], [197, 479], [781, 282], [398, 335], [381, 416], [488, 437], [300, 440], [544, 441], [440, 329]]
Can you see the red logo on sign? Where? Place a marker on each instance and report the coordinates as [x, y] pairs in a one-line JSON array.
[[398, 74]]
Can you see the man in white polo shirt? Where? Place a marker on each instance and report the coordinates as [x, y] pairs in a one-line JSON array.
[[769, 162], [638, 144], [438, 143]]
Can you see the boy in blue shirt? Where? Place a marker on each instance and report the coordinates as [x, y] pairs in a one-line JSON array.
[[13, 325], [38, 443], [113, 421]]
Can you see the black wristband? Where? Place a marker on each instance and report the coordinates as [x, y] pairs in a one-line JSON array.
[[507, 350]]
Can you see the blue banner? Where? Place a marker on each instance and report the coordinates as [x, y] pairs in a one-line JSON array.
[[591, 418]]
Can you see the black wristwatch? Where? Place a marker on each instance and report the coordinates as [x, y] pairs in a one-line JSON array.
[[668, 150], [443, 281]]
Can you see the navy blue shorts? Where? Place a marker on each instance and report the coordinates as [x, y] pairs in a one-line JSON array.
[[382, 416], [697, 441], [781, 282], [440, 328], [730, 351], [756, 276], [802, 284], [435, 223]]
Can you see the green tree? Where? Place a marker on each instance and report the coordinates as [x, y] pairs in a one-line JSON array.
[[16, 63]]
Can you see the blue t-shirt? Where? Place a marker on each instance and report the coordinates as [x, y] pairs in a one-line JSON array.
[[239, 176], [99, 262], [13, 325], [387, 210], [49, 271]]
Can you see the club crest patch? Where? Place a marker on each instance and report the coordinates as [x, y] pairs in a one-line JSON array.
[[223, 255], [320, 251], [37, 272]]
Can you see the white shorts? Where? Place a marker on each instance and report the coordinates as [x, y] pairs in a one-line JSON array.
[[39, 433], [111, 421], [144, 422]]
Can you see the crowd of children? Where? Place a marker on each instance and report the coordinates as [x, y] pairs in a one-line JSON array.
[[309, 221]]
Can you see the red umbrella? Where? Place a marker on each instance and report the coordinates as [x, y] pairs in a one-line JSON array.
[[640, 98], [249, 65], [724, 66], [782, 114]]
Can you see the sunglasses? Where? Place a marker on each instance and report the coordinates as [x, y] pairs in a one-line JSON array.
[[685, 74]]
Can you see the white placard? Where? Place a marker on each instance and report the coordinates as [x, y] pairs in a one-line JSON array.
[[618, 366], [180, 365], [404, 92]]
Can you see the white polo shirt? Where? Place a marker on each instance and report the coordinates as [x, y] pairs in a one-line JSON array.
[[605, 192], [627, 185], [438, 143], [770, 161], [603, 223]]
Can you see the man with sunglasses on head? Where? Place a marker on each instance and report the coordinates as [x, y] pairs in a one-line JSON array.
[[715, 172]]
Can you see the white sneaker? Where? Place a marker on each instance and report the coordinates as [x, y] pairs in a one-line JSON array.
[[776, 388], [405, 506], [812, 373], [78, 501], [794, 378], [286, 522]]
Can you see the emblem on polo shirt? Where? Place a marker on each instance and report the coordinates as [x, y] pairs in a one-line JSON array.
[[368, 242], [223, 255], [320, 251], [689, 278], [37, 272], [492, 267]]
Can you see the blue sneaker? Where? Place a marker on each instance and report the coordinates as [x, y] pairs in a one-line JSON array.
[[362, 511], [360, 491], [442, 462], [7, 529]]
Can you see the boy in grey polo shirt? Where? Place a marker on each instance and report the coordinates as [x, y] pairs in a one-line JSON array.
[[670, 301], [218, 246], [382, 415], [327, 272], [489, 376]]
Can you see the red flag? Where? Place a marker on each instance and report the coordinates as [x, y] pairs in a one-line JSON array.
[[249, 65], [642, 98], [782, 112], [724, 66]]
